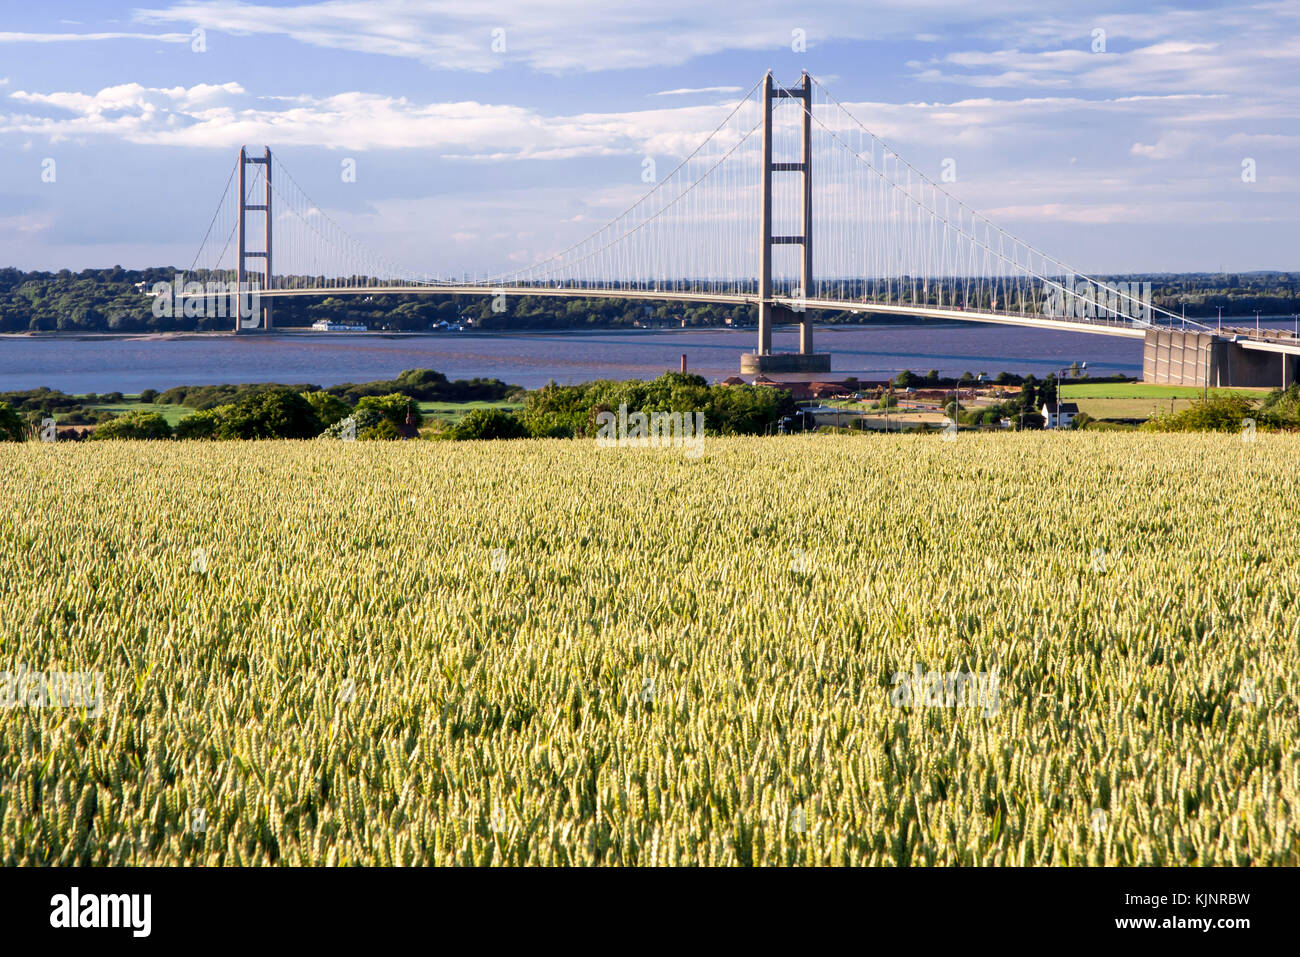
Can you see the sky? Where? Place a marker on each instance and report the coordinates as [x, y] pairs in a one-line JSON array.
[[1119, 137]]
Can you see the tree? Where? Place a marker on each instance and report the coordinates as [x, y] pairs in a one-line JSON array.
[[1047, 392], [1218, 413], [356, 425], [203, 424], [488, 424], [11, 424], [149, 396], [393, 407], [134, 425], [274, 414], [383, 430], [329, 408]]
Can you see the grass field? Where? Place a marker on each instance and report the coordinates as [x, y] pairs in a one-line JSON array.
[[1140, 400], [1005, 649], [455, 411], [172, 413], [1144, 390]]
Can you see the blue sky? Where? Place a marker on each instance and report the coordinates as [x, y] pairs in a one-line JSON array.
[[1126, 158]]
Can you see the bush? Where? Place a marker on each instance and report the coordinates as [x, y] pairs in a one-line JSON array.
[[426, 385], [329, 408], [274, 414], [357, 424], [1282, 407], [488, 424], [201, 425], [1217, 413], [134, 425], [11, 424], [149, 396], [558, 411], [383, 430], [393, 407]]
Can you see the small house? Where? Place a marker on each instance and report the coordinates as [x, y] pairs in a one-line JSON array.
[[1059, 415]]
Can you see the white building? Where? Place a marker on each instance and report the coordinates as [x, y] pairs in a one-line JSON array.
[[1059, 415]]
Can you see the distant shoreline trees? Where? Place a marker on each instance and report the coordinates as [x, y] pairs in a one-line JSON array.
[[113, 300]]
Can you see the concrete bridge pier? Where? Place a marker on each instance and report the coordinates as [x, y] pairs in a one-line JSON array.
[[1209, 360]]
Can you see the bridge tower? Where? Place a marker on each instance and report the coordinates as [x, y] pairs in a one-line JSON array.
[[242, 253], [764, 359]]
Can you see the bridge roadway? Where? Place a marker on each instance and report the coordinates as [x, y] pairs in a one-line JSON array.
[[1106, 327]]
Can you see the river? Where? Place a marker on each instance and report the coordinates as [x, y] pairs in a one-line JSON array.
[[129, 364]]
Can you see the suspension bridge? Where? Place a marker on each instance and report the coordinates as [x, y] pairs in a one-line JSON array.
[[791, 205]]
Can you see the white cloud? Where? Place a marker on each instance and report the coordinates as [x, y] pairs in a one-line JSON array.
[[1250, 50], [9, 37], [700, 89], [561, 36], [1168, 146], [225, 115]]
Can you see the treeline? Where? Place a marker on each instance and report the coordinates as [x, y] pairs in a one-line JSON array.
[[1226, 412], [1202, 295], [277, 413], [907, 379], [389, 409], [572, 411], [29, 407], [422, 385], [109, 300]]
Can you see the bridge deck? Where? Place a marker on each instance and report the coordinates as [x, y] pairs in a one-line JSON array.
[[1103, 327]]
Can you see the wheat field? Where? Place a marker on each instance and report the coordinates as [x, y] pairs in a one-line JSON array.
[[546, 652]]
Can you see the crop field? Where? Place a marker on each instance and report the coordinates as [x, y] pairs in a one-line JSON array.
[[1147, 390], [1141, 400], [1007, 649]]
